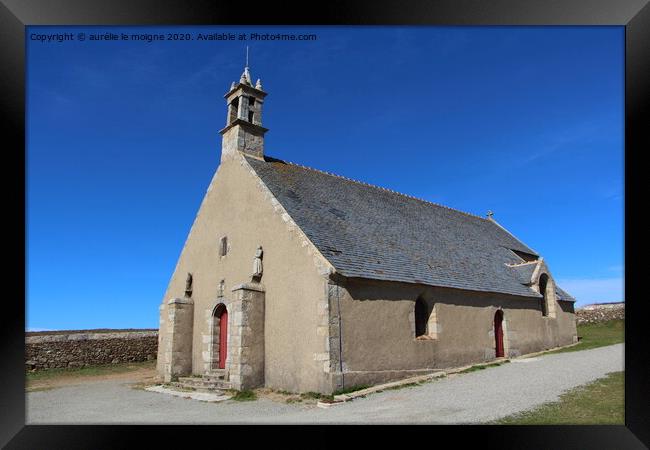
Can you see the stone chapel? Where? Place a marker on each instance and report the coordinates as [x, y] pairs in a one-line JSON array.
[[301, 280]]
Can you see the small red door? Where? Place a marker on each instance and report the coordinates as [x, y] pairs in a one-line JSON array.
[[498, 333], [223, 339]]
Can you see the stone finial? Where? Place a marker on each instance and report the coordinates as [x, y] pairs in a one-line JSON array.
[[232, 86], [258, 85], [246, 77], [489, 214]]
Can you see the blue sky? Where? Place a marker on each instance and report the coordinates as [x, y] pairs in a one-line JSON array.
[[122, 141]]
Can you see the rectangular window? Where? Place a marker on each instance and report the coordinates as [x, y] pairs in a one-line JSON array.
[[223, 246]]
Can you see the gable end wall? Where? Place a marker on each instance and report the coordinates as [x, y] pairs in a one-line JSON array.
[[238, 205]]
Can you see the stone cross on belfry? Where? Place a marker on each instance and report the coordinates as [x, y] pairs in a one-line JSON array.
[[489, 214]]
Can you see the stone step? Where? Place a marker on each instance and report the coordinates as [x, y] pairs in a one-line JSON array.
[[215, 376], [206, 387], [199, 383], [184, 387]]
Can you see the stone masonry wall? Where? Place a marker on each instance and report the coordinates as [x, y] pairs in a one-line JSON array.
[[600, 313], [88, 349]]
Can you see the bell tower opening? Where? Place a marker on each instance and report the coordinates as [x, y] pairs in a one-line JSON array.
[[232, 111]]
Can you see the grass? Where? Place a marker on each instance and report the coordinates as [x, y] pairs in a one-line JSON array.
[[593, 335], [47, 374], [401, 386], [298, 398], [358, 387], [597, 403], [482, 367], [313, 395], [244, 396]]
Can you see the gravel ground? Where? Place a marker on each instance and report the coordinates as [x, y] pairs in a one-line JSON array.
[[464, 398]]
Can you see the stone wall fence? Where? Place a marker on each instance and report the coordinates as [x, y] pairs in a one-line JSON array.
[[71, 349], [601, 313]]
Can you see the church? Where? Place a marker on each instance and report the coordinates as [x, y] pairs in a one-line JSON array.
[[297, 279]]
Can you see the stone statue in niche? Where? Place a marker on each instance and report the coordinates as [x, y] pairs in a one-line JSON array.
[[222, 287], [188, 285], [257, 264]]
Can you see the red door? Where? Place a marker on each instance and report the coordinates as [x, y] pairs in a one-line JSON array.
[[223, 339], [498, 333]]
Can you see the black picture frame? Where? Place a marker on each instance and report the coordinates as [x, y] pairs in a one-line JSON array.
[[634, 15]]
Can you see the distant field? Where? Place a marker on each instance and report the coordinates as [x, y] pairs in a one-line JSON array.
[[97, 330], [594, 335]]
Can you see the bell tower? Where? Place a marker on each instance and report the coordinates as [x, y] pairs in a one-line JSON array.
[[244, 131]]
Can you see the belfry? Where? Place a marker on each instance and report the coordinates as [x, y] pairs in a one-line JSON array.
[[244, 131]]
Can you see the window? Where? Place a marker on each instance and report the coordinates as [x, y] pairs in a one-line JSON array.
[[251, 101], [251, 116], [223, 246], [424, 319], [543, 284], [421, 317]]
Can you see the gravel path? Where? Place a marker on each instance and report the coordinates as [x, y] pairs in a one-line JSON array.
[[465, 398]]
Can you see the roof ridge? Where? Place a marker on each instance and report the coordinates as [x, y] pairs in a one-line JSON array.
[[382, 188]]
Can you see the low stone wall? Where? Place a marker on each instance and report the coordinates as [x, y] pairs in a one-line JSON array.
[[600, 313], [89, 349]]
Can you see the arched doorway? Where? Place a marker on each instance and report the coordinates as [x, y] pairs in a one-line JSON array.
[[220, 337], [498, 333]]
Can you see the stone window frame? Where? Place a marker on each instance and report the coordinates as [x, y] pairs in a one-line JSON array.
[[433, 327], [548, 299]]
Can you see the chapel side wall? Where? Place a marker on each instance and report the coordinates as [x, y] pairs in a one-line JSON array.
[[381, 316], [567, 323], [235, 206]]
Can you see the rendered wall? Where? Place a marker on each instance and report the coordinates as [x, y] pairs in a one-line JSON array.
[[378, 336]]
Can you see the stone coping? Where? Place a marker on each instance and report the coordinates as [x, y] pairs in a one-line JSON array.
[[249, 287], [89, 336], [181, 301]]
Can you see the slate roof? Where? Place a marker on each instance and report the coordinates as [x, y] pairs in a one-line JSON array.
[[525, 271], [563, 295], [366, 231]]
